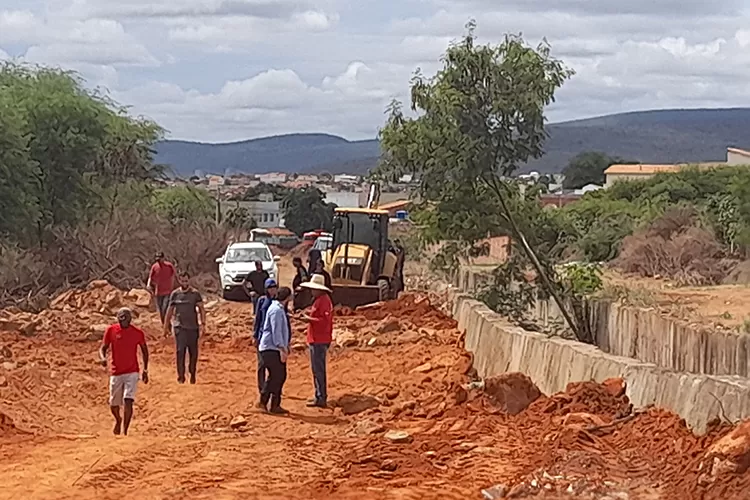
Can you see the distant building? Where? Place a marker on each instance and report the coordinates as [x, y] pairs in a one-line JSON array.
[[394, 206], [738, 156], [643, 171], [559, 200], [307, 178], [346, 179], [272, 178], [215, 181], [344, 199], [588, 188], [266, 214]]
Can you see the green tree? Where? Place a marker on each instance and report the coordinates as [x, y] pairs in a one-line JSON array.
[[19, 203], [240, 218], [74, 141], [306, 210], [588, 168], [184, 204], [479, 118]]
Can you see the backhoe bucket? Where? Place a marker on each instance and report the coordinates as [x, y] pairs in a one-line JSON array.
[[355, 295], [343, 295]]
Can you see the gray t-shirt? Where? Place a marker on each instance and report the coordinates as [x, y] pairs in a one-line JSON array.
[[185, 313]]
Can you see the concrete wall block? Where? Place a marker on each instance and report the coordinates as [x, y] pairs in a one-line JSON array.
[[553, 363]]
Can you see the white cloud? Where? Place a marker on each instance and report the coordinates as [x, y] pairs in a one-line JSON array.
[[350, 103], [232, 69]]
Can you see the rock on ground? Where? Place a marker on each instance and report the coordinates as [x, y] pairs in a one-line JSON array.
[[351, 404], [512, 392], [398, 437]]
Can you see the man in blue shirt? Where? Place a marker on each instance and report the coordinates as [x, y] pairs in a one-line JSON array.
[[260, 315], [274, 351]]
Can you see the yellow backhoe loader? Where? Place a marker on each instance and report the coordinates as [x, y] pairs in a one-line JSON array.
[[365, 266]]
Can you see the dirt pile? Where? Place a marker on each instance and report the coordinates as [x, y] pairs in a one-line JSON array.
[[82, 313], [411, 309], [584, 397]]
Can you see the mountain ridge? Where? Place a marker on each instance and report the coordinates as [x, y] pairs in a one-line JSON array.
[[652, 136]]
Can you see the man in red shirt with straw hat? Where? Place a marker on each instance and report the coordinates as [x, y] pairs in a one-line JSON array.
[[319, 336]]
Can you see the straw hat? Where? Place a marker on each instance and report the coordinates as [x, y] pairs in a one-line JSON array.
[[317, 282]]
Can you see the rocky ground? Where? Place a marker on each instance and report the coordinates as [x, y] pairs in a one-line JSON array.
[[409, 419]]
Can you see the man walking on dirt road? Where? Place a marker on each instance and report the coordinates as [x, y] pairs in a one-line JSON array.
[[185, 305], [124, 339], [274, 349], [319, 336], [260, 317], [161, 283]]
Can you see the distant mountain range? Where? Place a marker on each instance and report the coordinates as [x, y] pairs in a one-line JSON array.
[[658, 136]]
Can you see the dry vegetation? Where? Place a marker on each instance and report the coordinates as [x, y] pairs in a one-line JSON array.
[[120, 250], [675, 246]]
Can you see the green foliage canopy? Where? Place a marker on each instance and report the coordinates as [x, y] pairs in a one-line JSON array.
[[306, 210], [61, 145], [184, 203]]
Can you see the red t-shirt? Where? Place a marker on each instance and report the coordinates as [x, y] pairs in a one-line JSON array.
[[124, 343], [321, 331], [162, 278]]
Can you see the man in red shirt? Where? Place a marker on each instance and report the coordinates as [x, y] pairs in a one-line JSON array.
[[124, 338], [161, 283], [319, 336]]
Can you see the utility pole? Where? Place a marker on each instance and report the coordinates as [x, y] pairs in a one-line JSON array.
[[218, 205]]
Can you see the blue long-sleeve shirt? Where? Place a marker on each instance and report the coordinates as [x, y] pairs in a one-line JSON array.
[[275, 334], [260, 315]]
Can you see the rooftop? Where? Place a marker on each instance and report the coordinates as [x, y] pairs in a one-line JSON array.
[[374, 211], [739, 151], [648, 169]]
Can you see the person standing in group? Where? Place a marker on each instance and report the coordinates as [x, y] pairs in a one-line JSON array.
[[320, 268], [319, 336], [161, 283], [185, 307], [313, 256], [300, 277], [254, 284], [124, 339], [264, 303], [274, 349]]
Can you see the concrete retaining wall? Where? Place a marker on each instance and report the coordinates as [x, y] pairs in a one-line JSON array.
[[647, 335], [552, 363]]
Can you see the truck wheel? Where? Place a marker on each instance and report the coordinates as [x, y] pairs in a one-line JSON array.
[[384, 290]]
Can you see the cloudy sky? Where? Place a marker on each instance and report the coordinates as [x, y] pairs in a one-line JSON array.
[[220, 70]]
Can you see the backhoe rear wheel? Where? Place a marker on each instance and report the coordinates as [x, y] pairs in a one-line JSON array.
[[384, 290]]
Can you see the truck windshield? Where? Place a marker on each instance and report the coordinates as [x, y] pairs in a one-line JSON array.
[[248, 255], [355, 229]]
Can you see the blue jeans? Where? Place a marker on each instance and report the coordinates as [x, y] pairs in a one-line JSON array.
[[318, 353]]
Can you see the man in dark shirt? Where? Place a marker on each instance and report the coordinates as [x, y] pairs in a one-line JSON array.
[[255, 283], [320, 269], [185, 305]]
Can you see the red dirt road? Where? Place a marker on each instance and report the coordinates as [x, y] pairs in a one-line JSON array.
[[56, 441]]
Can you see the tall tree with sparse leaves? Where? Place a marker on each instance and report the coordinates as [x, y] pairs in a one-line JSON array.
[[478, 119]]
